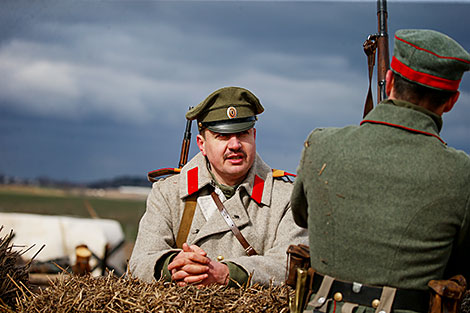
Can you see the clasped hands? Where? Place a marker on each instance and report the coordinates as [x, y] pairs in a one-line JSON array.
[[192, 266]]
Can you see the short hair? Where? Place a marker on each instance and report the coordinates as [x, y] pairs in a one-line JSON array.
[[416, 93], [202, 132]]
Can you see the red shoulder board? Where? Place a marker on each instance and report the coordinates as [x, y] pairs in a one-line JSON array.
[[281, 173], [153, 175]]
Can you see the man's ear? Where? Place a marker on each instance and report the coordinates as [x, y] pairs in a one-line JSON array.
[[201, 144], [254, 132], [452, 100], [389, 79]]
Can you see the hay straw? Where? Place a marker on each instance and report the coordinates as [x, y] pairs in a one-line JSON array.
[[70, 293], [11, 272]]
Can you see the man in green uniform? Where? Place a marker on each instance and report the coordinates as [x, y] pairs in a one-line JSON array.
[[387, 203], [255, 198]]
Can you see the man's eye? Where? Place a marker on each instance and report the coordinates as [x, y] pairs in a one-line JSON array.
[[221, 136]]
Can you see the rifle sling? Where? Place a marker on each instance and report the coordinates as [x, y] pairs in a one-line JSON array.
[[370, 46], [186, 220], [249, 250]]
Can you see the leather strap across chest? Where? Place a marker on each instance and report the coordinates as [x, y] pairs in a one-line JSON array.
[[249, 250], [188, 214], [190, 208]]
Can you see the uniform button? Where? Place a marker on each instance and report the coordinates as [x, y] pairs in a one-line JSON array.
[[236, 216], [220, 258], [338, 296], [375, 303], [195, 231], [321, 300]]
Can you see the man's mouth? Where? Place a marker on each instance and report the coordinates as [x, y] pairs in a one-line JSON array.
[[235, 158]]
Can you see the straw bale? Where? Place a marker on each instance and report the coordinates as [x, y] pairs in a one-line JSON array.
[[71, 293], [13, 273]]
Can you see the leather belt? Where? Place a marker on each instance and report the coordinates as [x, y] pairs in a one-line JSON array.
[[249, 250], [405, 299]]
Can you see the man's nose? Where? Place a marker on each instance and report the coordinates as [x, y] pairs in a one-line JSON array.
[[234, 142]]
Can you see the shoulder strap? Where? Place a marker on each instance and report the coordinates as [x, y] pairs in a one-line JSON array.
[[281, 173], [186, 220], [248, 248], [153, 175]]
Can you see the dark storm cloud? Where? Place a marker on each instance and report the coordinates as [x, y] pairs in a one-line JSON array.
[[93, 89]]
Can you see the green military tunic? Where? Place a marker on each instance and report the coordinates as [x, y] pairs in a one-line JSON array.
[[260, 208], [387, 202]]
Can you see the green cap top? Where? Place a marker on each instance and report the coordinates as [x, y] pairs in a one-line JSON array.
[[227, 110], [429, 58]]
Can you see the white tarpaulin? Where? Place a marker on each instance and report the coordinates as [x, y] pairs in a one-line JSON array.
[[61, 234]]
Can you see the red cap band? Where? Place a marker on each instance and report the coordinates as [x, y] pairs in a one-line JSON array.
[[424, 78]]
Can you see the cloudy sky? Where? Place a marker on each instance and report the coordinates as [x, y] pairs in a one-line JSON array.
[[97, 89]]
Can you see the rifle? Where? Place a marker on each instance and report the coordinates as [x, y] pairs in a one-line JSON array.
[[185, 144], [378, 42], [153, 175]]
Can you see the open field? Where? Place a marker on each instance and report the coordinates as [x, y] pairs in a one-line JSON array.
[[126, 209]]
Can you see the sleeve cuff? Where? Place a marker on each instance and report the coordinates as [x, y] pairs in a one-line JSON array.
[[161, 267], [237, 275]]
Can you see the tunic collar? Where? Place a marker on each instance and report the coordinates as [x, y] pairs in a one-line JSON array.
[[406, 114], [258, 183]]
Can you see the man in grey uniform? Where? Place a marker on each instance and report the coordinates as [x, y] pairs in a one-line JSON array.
[[252, 197]]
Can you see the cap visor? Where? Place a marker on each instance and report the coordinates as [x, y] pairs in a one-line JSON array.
[[231, 128]]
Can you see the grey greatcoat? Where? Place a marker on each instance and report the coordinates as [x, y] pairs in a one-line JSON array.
[[260, 208]]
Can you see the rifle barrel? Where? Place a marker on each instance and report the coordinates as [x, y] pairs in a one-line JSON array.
[[382, 49], [382, 12]]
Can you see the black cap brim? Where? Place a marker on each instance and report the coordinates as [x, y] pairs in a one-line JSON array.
[[231, 126]]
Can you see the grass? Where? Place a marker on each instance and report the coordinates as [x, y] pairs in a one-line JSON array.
[[59, 202]]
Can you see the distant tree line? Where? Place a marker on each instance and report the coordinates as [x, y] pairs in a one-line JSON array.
[[121, 181], [50, 182]]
